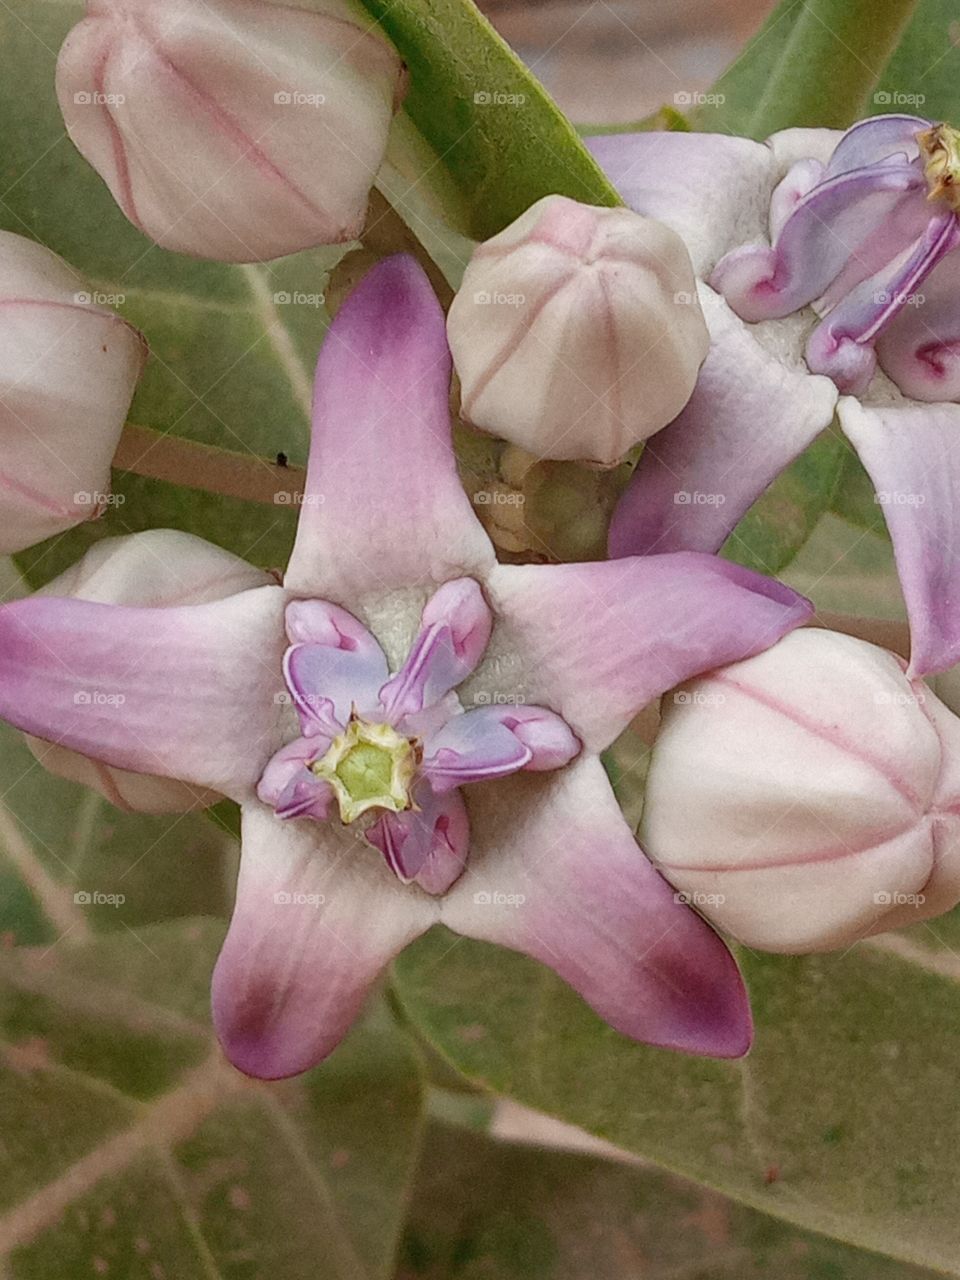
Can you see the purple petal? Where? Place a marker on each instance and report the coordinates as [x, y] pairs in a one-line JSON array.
[[851, 216], [842, 345], [556, 874], [427, 845], [316, 919], [911, 455], [751, 414], [384, 506], [546, 735], [601, 641], [920, 348], [711, 189], [877, 139], [289, 787], [188, 692], [454, 631], [334, 664], [473, 747]]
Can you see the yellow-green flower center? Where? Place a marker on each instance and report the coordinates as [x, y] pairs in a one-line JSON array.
[[369, 766], [940, 148]]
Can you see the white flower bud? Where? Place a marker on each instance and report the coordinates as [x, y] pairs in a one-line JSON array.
[[232, 129], [68, 369], [808, 797], [577, 331], [161, 568]]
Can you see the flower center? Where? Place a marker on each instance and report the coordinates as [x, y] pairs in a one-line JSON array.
[[940, 149], [369, 766]]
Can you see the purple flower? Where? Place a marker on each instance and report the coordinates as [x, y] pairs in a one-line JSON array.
[[509, 679], [833, 288]]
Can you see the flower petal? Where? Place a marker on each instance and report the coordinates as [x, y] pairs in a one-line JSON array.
[[556, 874], [601, 641], [156, 568], [333, 665], [384, 507], [877, 139], [454, 631], [920, 348], [427, 845], [317, 917], [911, 454], [851, 216], [711, 189], [473, 747], [754, 410], [288, 786], [841, 346], [188, 692]]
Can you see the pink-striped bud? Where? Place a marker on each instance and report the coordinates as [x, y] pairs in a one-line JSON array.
[[577, 331], [238, 130], [68, 369], [809, 796]]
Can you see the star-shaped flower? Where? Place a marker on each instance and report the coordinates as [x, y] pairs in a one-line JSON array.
[[434, 755], [833, 287]]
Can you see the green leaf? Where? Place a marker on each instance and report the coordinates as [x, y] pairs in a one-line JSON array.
[[488, 1210], [487, 118], [923, 75], [783, 518], [842, 1120], [131, 1148], [59, 840], [814, 62]]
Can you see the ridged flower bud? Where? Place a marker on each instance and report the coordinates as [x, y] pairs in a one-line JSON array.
[[809, 796], [68, 369], [577, 332], [237, 130]]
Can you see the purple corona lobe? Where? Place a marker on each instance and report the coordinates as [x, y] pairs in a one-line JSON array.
[[405, 735]]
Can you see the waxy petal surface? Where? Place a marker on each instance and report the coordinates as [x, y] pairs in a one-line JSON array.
[[384, 506], [912, 454], [188, 692], [555, 873], [317, 918], [601, 641]]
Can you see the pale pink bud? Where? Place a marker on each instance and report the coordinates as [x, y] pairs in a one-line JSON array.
[[577, 332], [160, 568], [809, 796], [68, 369], [237, 130]]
